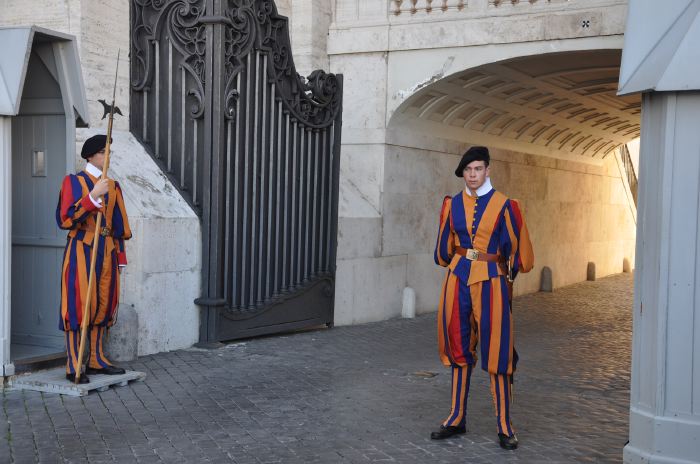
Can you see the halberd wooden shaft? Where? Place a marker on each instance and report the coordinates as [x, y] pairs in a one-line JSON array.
[[87, 308]]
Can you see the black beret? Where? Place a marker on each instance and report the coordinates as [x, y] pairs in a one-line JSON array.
[[473, 154], [93, 145]]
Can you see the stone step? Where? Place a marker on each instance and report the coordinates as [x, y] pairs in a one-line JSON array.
[[54, 381]]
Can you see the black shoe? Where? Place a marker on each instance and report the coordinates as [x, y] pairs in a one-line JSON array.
[[83, 378], [109, 370], [447, 432], [508, 442]]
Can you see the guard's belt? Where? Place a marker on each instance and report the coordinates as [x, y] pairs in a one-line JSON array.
[[476, 255]]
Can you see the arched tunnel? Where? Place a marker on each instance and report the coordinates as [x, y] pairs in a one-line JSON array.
[[557, 133]]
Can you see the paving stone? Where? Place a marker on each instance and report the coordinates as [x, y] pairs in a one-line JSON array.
[[352, 395]]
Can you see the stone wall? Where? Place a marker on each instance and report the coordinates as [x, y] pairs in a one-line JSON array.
[[284, 7], [101, 28], [59, 15], [576, 213], [309, 23], [391, 187], [163, 276]]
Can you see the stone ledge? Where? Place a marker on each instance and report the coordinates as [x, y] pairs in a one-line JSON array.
[[480, 30]]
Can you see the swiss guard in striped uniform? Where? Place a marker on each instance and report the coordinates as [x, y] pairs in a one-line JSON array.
[[484, 243], [82, 196]]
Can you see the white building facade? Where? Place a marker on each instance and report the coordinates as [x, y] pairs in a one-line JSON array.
[[423, 81], [533, 80]]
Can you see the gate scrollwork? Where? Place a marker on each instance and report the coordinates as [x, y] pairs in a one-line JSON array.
[[247, 24], [252, 146], [181, 19]]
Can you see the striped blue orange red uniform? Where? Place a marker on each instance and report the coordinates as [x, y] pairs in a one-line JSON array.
[[77, 213], [474, 307]]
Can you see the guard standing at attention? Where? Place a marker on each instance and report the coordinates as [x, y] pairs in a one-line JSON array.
[[82, 196], [484, 243]]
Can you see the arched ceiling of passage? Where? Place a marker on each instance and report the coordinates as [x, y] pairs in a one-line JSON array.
[[561, 104]]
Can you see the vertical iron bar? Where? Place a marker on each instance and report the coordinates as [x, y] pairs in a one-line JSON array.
[[314, 198], [254, 180], [182, 128], [264, 171], [322, 235], [236, 190], [300, 216], [195, 162], [282, 244], [329, 241], [273, 166], [227, 209], [144, 133], [278, 206], [292, 243], [156, 104], [307, 208], [170, 105], [213, 167], [246, 158]]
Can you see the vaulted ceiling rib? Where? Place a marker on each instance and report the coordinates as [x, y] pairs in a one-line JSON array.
[[566, 102]]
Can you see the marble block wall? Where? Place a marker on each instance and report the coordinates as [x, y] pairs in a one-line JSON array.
[[163, 276], [101, 29], [576, 213]]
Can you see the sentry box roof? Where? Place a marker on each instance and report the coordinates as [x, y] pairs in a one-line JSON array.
[[59, 54], [661, 51]]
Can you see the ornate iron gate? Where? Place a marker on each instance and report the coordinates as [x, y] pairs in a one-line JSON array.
[[253, 147]]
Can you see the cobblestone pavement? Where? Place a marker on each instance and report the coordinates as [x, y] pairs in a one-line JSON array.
[[352, 395]]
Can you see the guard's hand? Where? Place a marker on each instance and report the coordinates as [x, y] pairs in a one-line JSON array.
[[100, 189]]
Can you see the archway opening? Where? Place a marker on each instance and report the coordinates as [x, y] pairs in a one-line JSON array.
[[557, 133]]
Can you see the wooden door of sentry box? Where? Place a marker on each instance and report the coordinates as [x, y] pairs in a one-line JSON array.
[[38, 167]]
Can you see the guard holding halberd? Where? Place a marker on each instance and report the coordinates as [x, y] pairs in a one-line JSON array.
[[82, 196], [484, 243]]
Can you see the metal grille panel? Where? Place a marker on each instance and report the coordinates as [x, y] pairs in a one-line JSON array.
[[252, 146]]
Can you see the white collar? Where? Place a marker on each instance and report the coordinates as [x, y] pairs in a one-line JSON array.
[[483, 190], [93, 170]]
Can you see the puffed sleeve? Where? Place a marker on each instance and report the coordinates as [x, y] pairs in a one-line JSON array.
[[445, 246], [515, 241], [73, 208], [120, 226]]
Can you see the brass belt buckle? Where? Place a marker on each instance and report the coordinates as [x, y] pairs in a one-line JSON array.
[[472, 254], [106, 232]]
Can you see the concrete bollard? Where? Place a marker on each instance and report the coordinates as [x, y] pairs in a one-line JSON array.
[[546, 284], [122, 343], [590, 272], [626, 266], [408, 309]]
